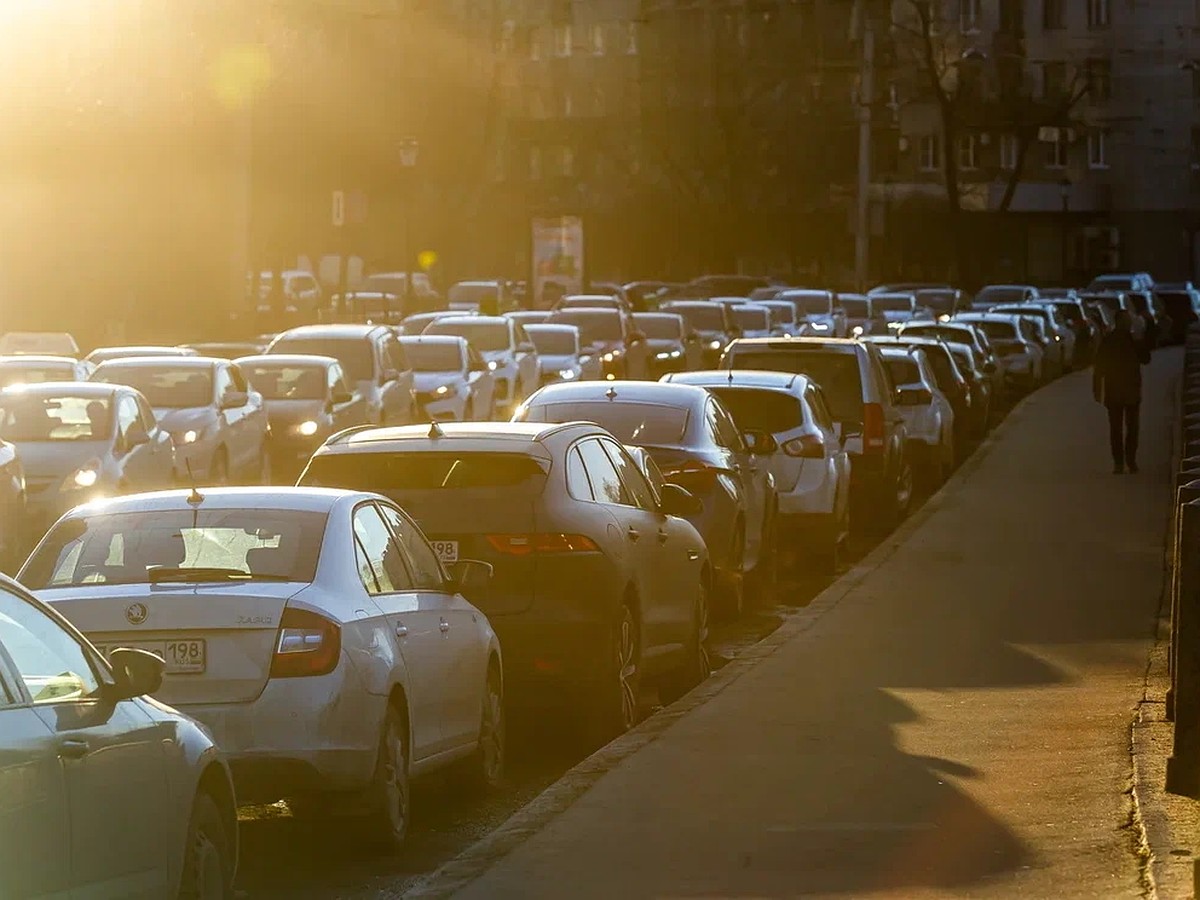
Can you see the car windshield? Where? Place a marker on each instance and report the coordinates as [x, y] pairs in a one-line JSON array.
[[287, 382], [630, 422], [809, 303], [552, 343], [702, 317], [856, 307], [166, 387], [756, 409], [938, 301], [886, 303], [751, 318], [486, 337], [837, 374], [1000, 294], [997, 329], [434, 357], [33, 417], [354, 353], [398, 472], [1070, 312], [33, 373], [660, 328], [595, 325], [903, 371], [179, 545]]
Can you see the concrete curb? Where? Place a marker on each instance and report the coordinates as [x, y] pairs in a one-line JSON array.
[[469, 865]]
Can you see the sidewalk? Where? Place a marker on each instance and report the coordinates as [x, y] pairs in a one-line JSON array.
[[952, 718]]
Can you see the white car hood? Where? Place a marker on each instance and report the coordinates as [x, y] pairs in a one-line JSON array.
[[184, 419]]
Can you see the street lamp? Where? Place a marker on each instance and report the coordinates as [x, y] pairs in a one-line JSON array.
[[1064, 194], [409, 147]]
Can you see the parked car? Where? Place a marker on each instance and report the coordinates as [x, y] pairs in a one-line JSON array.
[[1142, 306], [217, 421], [711, 324], [949, 377], [611, 335], [109, 354], [561, 356], [228, 349], [810, 467], [1121, 281], [37, 369], [76, 441], [927, 412], [38, 343], [898, 308], [674, 347], [308, 398], [862, 317], [995, 294], [313, 632], [119, 795], [1018, 351], [644, 295], [14, 523], [698, 447], [784, 322], [963, 332], [1115, 302], [598, 586], [1059, 339], [942, 303], [980, 418], [1181, 303], [753, 319], [817, 312], [504, 346], [862, 403], [395, 284], [418, 322], [451, 379], [528, 316], [1086, 334], [370, 355]]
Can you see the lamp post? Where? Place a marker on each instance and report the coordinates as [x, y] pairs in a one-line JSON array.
[[1064, 193], [409, 147]]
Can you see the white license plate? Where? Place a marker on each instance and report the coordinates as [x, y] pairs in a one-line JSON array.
[[185, 657], [447, 551]]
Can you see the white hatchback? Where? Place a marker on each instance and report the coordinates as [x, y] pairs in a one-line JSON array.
[[926, 410], [314, 632]]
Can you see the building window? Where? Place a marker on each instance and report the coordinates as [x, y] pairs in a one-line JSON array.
[[1099, 79], [631, 38], [1098, 13], [931, 152], [562, 40], [535, 163], [1056, 151], [562, 162], [967, 145], [596, 39], [1054, 79], [1052, 15], [1098, 149], [1009, 150], [968, 15]]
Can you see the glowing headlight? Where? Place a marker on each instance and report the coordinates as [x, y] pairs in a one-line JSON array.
[[896, 325], [608, 357], [714, 345], [307, 429], [943, 318], [566, 374], [664, 355], [857, 331], [493, 365], [189, 437], [86, 477], [1058, 337], [818, 326], [443, 390]]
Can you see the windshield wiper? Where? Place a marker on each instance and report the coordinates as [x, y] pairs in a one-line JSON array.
[[160, 574]]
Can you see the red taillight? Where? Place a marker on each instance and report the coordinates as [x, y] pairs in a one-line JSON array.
[[526, 544], [694, 475], [807, 446], [874, 433], [308, 644]]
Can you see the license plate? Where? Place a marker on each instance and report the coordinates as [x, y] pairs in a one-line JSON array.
[[188, 657], [447, 551]]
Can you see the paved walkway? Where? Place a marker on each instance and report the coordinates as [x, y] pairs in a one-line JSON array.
[[951, 719]]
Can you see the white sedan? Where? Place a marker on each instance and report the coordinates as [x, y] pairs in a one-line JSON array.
[[926, 410], [218, 422], [314, 632], [451, 381], [107, 793]]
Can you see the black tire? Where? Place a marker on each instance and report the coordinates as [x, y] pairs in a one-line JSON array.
[[385, 825], [208, 857], [614, 707], [696, 665], [486, 765], [829, 560]]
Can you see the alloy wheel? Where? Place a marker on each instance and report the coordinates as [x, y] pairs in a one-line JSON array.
[[626, 648], [395, 779], [491, 732]]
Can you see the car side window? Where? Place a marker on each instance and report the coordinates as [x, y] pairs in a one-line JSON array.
[[382, 554], [884, 379], [52, 664], [146, 414], [820, 412], [519, 335], [428, 574], [635, 483], [578, 485], [712, 431], [238, 379], [128, 418], [222, 381], [727, 431], [606, 483], [394, 354]]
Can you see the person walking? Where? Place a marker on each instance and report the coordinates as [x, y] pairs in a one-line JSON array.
[[1117, 383]]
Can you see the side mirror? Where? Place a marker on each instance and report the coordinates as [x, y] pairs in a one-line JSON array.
[[137, 672], [526, 347], [681, 502], [469, 577], [760, 443], [387, 376], [914, 395], [234, 400]]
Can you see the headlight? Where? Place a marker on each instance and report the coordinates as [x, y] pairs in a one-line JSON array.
[[943, 318], [493, 365], [714, 345], [307, 429], [818, 326], [84, 477], [189, 437], [895, 324], [566, 374], [608, 357], [857, 331], [444, 390]]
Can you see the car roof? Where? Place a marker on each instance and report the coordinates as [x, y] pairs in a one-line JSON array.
[[175, 362], [783, 381], [673, 304], [410, 339], [340, 330], [657, 315], [38, 359], [286, 359], [292, 499], [551, 328], [608, 311], [164, 349], [461, 318], [658, 392], [840, 345], [96, 389]]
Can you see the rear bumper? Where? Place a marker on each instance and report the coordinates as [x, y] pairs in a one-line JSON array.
[[554, 652]]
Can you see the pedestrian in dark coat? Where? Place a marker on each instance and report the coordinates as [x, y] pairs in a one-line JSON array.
[[1117, 383]]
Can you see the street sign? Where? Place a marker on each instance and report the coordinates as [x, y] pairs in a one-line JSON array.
[[339, 209]]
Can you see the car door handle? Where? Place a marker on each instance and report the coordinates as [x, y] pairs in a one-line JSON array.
[[401, 631], [444, 626], [633, 533], [73, 748]]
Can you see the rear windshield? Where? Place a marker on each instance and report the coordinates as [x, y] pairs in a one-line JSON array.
[[356, 354], [836, 373], [434, 357], [631, 423], [552, 343], [659, 328], [392, 473], [33, 373], [944, 370], [283, 382], [754, 409], [165, 388], [485, 337], [809, 303], [855, 307], [124, 548], [472, 293], [903, 371], [30, 418], [752, 318], [1000, 294], [709, 317], [938, 301], [593, 324]]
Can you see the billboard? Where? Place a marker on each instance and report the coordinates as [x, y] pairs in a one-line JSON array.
[[557, 259]]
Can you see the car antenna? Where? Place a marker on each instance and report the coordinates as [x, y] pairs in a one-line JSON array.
[[731, 376], [195, 498], [435, 430]]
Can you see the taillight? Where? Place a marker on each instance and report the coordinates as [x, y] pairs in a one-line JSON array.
[[874, 433], [807, 446], [308, 644], [694, 475], [527, 544]]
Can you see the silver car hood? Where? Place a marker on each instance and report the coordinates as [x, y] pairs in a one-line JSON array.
[[56, 459], [184, 419]]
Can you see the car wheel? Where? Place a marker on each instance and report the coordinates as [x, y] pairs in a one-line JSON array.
[[766, 572], [386, 825], [733, 589], [696, 665], [904, 491], [615, 710], [218, 469], [487, 763], [207, 857]]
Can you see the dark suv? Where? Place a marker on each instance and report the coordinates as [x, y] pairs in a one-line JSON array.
[[862, 402]]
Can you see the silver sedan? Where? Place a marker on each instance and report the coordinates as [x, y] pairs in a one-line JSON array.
[[314, 632]]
